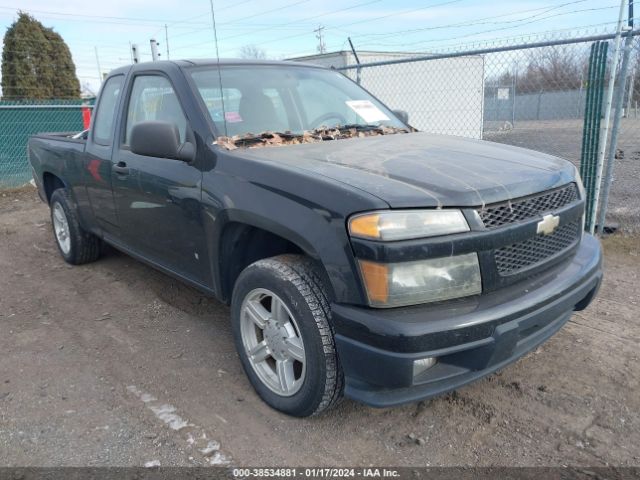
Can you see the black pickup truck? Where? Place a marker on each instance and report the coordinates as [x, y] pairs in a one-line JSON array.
[[359, 256]]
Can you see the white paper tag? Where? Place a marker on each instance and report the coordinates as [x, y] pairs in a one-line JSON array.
[[367, 110]]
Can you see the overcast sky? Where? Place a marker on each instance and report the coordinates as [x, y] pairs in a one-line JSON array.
[[284, 28]]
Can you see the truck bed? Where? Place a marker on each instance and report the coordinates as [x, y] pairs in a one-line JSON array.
[[55, 152]]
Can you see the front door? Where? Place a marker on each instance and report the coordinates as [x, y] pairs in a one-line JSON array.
[[158, 199]]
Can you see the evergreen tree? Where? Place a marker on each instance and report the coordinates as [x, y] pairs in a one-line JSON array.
[[36, 63]]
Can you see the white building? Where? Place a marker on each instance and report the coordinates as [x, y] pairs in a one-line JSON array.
[[440, 96]]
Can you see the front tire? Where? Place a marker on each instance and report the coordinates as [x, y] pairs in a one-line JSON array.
[[75, 245], [280, 315]]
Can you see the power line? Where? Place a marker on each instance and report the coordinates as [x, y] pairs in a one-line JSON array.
[[478, 43], [270, 11], [313, 17], [405, 12], [421, 42], [480, 21], [80, 15], [234, 5], [131, 21]]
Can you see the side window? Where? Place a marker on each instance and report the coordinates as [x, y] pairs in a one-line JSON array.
[[153, 98], [106, 111]]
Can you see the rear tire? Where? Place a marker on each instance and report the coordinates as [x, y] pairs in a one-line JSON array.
[[291, 285], [75, 244]]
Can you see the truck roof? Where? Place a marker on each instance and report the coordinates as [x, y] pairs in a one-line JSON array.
[[204, 62]]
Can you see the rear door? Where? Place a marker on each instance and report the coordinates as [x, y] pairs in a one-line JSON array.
[[158, 199]]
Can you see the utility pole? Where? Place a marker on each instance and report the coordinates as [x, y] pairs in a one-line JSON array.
[[155, 55], [98, 64], [319, 35], [166, 39], [135, 55]]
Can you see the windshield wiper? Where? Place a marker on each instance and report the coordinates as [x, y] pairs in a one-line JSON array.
[[358, 126]]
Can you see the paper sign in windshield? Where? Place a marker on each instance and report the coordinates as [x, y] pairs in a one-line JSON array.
[[232, 117], [367, 110]]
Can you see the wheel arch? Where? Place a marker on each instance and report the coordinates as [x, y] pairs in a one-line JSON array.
[[51, 182], [244, 240]]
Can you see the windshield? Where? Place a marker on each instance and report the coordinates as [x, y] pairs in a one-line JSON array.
[[255, 99]]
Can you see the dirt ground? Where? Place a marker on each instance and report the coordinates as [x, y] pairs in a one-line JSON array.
[[104, 364]]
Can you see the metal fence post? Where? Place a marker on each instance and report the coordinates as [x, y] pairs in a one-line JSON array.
[[607, 116], [513, 88], [538, 107], [614, 138], [622, 81]]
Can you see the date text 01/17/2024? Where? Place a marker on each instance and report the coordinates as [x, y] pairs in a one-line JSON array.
[[315, 472]]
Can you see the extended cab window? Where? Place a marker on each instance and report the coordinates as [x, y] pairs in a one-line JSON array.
[[106, 112], [153, 98]]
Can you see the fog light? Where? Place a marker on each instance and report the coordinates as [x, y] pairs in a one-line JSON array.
[[423, 364]]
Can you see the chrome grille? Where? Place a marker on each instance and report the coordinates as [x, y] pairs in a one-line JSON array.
[[519, 256], [500, 214]]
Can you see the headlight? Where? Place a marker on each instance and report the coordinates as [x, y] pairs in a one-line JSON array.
[[407, 224], [410, 283]]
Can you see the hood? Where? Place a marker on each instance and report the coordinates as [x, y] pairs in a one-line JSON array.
[[425, 170]]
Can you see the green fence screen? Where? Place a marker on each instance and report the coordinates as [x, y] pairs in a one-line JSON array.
[[19, 120]]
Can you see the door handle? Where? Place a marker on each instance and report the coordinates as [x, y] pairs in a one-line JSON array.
[[121, 168]]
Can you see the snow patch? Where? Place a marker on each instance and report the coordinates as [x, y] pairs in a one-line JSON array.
[[211, 447], [195, 437], [166, 414]]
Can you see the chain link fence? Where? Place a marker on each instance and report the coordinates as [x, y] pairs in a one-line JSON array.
[[23, 118], [529, 95]]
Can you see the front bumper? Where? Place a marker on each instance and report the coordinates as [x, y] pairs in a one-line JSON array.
[[471, 337]]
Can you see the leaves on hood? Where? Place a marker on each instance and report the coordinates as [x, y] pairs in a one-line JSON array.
[[276, 139]]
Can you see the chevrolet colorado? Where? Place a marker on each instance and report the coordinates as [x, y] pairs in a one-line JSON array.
[[359, 256]]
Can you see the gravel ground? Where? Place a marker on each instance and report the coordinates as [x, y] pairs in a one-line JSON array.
[[104, 364], [563, 138]]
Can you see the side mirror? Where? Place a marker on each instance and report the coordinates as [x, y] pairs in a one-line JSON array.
[[402, 115], [160, 139]]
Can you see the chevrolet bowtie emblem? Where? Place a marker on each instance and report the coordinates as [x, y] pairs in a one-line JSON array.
[[548, 224]]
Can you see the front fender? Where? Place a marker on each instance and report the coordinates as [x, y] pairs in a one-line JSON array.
[[316, 236], [310, 212]]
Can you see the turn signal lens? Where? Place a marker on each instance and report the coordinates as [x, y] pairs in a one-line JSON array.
[[366, 226], [376, 280]]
